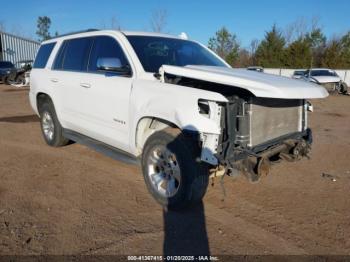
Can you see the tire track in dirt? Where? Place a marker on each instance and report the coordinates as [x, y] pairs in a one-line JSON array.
[[242, 226], [88, 158], [257, 234], [125, 244], [237, 225], [294, 229]]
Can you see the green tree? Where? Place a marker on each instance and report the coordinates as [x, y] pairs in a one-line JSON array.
[[332, 56], [270, 52], [244, 59], [345, 42], [298, 54], [225, 45], [317, 40], [43, 27]]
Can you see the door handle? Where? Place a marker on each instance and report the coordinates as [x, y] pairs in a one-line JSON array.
[[85, 85], [54, 80]]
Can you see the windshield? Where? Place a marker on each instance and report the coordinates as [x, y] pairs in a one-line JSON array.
[[299, 73], [5, 64], [154, 52], [322, 73]]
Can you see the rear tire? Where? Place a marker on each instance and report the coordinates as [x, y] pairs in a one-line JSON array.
[[50, 126], [172, 170]]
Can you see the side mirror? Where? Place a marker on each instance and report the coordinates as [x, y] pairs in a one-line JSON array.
[[109, 64]]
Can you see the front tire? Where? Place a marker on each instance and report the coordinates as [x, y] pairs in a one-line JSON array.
[[172, 170], [50, 126], [343, 88]]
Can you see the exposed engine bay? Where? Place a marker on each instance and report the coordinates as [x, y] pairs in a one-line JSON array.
[[255, 132]]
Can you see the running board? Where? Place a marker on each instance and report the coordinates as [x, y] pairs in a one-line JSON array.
[[100, 147]]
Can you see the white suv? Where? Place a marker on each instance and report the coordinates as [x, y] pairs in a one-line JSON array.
[[170, 104]]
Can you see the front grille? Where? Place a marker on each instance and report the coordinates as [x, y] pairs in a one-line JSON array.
[[272, 118], [329, 86]]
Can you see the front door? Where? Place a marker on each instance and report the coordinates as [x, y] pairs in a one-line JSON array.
[[106, 94]]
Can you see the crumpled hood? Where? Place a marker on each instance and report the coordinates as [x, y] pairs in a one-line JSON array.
[[259, 84], [326, 79]]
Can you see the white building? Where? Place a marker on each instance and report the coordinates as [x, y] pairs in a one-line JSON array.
[[14, 48]]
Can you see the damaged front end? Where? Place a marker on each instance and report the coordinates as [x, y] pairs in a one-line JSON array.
[[257, 132]]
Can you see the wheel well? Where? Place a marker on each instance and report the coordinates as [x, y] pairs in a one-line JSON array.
[[40, 99], [146, 127]]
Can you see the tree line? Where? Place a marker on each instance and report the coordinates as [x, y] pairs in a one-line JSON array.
[[297, 46], [279, 49]]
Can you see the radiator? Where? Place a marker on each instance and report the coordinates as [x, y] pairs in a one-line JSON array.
[[272, 118]]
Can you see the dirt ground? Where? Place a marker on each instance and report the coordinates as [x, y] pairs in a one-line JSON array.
[[75, 201]]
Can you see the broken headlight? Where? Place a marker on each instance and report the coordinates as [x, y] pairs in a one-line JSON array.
[[204, 108]]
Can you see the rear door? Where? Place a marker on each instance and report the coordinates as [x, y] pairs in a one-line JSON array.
[[69, 68]]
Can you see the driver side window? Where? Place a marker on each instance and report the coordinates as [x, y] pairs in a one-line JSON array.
[[105, 47]]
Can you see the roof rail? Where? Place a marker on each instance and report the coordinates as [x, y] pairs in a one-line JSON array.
[[76, 32]]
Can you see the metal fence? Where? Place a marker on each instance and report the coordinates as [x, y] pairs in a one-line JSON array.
[[343, 74], [14, 48]]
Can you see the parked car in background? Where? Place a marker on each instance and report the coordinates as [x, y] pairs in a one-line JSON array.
[[298, 74], [328, 78], [7, 70], [21, 74], [170, 104], [256, 68]]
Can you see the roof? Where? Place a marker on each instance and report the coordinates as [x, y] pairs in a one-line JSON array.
[[127, 33], [140, 33], [75, 33]]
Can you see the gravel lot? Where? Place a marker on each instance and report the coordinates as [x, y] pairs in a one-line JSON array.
[[73, 200]]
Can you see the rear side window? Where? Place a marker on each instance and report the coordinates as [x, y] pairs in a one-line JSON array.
[[106, 47], [43, 55], [76, 54]]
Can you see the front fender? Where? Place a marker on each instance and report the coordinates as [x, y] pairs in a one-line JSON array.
[[173, 103]]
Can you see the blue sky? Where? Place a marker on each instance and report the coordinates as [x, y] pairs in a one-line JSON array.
[[199, 19]]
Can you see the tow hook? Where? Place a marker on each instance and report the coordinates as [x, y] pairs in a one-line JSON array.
[[302, 149]]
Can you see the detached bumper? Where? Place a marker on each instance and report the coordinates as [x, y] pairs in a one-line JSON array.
[[255, 162]]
